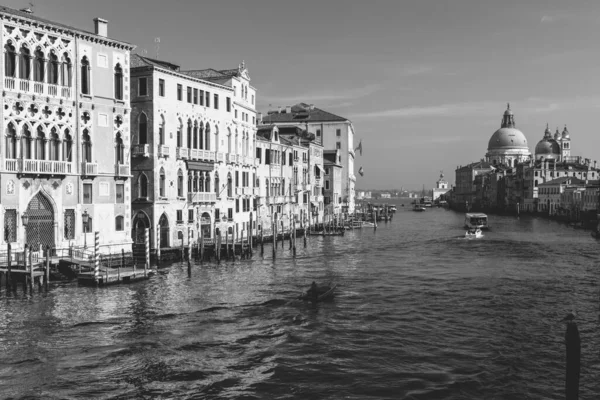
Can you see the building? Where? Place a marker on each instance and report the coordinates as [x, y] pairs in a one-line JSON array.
[[331, 131], [465, 190], [65, 158], [333, 190], [508, 145], [386, 195], [193, 137], [441, 187]]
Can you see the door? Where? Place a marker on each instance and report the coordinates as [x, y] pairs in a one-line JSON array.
[[164, 231], [40, 228]]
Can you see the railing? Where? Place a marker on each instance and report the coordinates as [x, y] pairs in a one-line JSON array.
[[220, 157], [121, 170], [299, 187], [202, 197], [263, 200], [142, 150], [89, 169], [230, 157], [11, 165], [198, 154], [182, 152], [24, 85], [163, 151], [45, 167], [247, 191], [249, 160]]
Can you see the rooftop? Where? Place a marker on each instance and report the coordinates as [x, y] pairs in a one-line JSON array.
[[302, 112]]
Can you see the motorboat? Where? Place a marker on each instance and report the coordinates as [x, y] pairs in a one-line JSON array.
[[324, 293], [476, 221], [474, 233], [419, 207], [392, 208]]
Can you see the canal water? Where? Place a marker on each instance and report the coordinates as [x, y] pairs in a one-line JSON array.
[[420, 313]]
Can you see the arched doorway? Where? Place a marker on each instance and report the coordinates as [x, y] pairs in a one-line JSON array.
[[205, 225], [140, 224], [40, 228], [163, 225]]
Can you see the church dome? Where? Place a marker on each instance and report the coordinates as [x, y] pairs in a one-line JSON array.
[[547, 147], [565, 133], [508, 137]]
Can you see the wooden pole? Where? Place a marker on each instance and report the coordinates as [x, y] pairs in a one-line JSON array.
[[182, 248], [227, 244], [294, 232], [262, 241], [158, 245], [96, 256], [274, 230], [47, 272], [146, 251], [122, 264], [25, 262], [250, 235], [31, 277], [201, 243], [8, 268], [573, 364]]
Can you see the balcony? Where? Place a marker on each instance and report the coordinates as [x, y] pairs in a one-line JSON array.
[[41, 88], [306, 186], [230, 158], [220, 157], [202, 197], [122, 170], [247, 191], [89, 169], [163, 151], [38, 167], [181, 153], [197, 154], [275, 169], [140, 150]]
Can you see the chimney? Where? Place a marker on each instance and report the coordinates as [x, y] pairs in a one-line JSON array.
[[101, 27], [259, 120], [288, 109], [279, 110]]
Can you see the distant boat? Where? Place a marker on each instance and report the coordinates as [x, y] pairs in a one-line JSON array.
[[476, 221], [419, 207], [325, 293]]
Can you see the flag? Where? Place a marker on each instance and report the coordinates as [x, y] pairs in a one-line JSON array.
[[359, 147], [361, 172]]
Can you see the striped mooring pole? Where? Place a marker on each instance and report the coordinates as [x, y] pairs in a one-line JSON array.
[[96, 255], [146, 250]]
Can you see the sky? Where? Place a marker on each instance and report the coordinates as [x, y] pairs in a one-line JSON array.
[[424, 82]]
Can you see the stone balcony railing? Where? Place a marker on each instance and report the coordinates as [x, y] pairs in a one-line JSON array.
[[202, 197], [41, 88], [89, 169], [140, 150], [163, 151], [239, 190], [122, 170], [38, 166], [197, 154], [182, 153], [247, 191], [220, 157]]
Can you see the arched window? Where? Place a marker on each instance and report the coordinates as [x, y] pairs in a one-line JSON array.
[[190, 184], [54, 145], [66, 71], [161, 131], [40, 144], [38, 66], [85, 76], [119, 150], [143, 186], [53, 69], [24, 63], [86, 146], [201, 182], [195, 134], [283, 186], [10, 61], [161, 183], [229, 186], [67, 147], [189, 134], [180, 183], [179, 136], [11, 141], [217, 184], [207, 183], [118, 82], [119, 225], [229, 141], [216, 138], [143, 129], [267, 187], [26, 142], [201, 136], [207, 137]]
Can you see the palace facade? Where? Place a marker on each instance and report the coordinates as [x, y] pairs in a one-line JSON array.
[[65, 155]]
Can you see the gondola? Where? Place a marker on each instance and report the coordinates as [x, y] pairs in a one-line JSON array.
[[321, 233], [325, 293]]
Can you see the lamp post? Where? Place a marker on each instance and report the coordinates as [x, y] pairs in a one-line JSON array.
[[25, 221], [85, 218]]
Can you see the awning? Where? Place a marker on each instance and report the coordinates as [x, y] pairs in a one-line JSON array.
[[200, 165], [314, 203]]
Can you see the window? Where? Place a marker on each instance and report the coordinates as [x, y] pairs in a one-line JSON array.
[[228, 104], [189, 94], [179, 183], [40, 144], [217, 215], [326, 170], [10, 61], [202, 97], [53, 69], [259, 154], [318, 133], [119, 150], [161, 185], [87, 193], [252, 99], [143, 186], [161, 87], [235, 113], [66, 67], [179, 92], [195, 96], [11, 141], [229, 186], [207, 99], [237, 206], [143, 87], [291, 159], [338, 132], [85, 76], [86, 146], [38, 66], [119, 225], [237, 178], [327, 184], [10, 226], [190, 215], [338, 145], [180, 216], [216, 100], [143, 129], [120, 193], [54, 145], [230, 213], [118, 82], [69, 224]]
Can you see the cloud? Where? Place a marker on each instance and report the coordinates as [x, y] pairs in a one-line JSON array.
[[548, 19], [416, 70], [322, 96]]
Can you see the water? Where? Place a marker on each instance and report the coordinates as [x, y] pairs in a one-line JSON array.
[[421, 313]]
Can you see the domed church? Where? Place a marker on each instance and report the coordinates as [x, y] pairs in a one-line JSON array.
[[554, 148], [508, 145]]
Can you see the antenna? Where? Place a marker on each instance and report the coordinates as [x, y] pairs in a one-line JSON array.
[[157, 41]]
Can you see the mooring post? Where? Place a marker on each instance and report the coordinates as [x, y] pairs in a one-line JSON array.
[[573, 344], [274, 229], [250, 230], [374, 220], [96, 256], [122, 263], [182, 248], [25, 248], [158, 245], [189, 253], [201, 245], [146, 251], [294, 232], [227, 244], [47, 271], [304, 231], [8, 268], [31, 277], [262, 242]]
